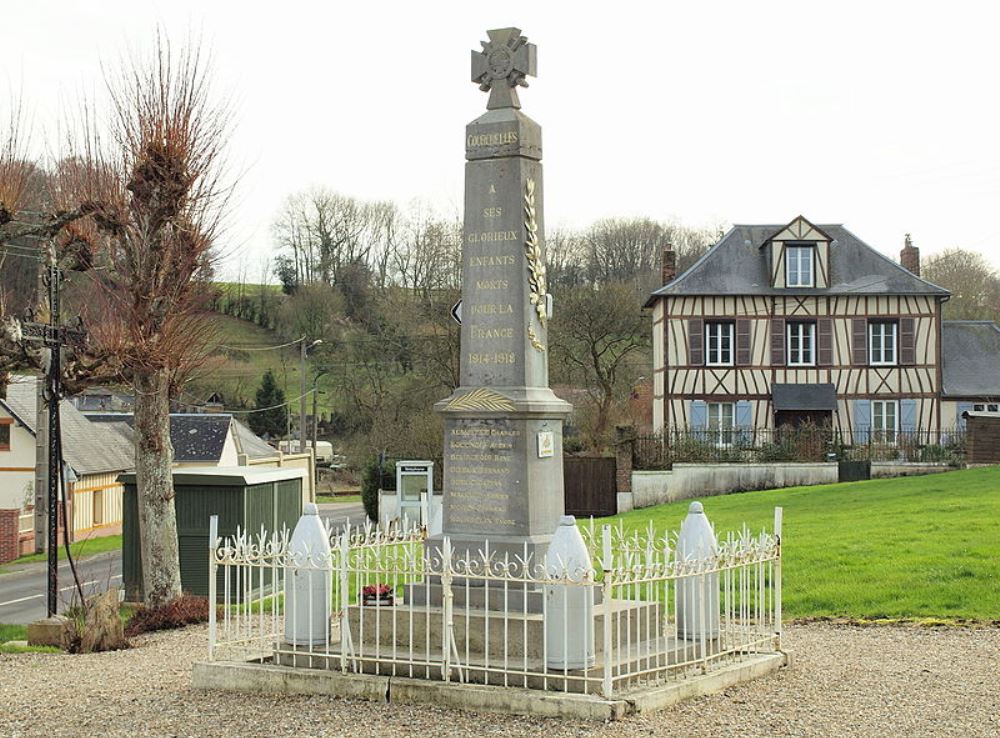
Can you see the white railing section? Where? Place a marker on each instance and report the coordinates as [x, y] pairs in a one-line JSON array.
[[394, 603]]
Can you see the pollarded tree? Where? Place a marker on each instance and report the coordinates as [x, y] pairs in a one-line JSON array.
[[271, 420], [155, 174]]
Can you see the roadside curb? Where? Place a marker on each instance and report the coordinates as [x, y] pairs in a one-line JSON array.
[[13, 567]]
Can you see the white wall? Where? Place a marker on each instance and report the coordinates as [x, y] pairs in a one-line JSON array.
[[17, 467], [699, 480], [388, 510]]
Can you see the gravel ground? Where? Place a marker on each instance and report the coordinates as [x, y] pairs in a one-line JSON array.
[[847, 681]]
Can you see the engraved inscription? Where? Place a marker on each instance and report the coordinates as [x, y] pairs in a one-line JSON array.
[[481, 473], [491, 260], [492, 236], [491, 139]]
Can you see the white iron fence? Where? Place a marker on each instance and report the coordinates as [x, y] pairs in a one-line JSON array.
[[395, 603]]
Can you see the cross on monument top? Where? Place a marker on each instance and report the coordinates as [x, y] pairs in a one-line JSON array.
[[506, 59]]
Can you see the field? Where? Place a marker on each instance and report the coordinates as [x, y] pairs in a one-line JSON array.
[[919, 548]]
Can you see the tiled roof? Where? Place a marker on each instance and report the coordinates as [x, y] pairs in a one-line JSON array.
[[195, 437], [199, 436], [87, 448], [737, 265], [970, 351], [250, 443]]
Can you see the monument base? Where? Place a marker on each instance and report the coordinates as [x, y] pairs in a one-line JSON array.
[[408, 640], [267, 678]]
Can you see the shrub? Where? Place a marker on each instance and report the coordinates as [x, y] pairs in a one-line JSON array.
[[185, 610], [371, 478]]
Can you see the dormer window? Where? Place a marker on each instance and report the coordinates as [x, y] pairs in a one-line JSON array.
[[799, 266]]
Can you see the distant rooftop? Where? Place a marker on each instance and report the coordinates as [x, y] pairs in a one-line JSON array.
[[87, 448], [970, 351]]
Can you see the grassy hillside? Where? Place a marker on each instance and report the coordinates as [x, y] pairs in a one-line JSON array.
[[916, 547], [236, 371]]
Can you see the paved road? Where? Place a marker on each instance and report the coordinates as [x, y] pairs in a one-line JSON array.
[[337, 514], [22, 592]]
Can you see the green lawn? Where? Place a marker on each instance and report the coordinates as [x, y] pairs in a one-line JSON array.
[[910, 548], [86, 547], [325, 499], [19, 633], [13, 632]]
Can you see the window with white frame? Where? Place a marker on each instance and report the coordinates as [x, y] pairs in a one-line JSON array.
[[799, 266], [885, 420], [719, 344], [882, 343], [721, 422], [801, 344]]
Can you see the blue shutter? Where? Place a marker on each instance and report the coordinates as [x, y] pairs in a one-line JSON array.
[[862, 420], [962, 408], [907, 415], [744, 420], [698, 415]]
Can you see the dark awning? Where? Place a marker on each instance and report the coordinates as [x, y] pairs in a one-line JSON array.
[[804, 396]]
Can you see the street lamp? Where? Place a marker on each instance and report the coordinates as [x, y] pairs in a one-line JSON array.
[[302, 399], [315, 394]]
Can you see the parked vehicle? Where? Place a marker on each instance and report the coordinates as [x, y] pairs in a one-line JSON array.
[[324, 450]]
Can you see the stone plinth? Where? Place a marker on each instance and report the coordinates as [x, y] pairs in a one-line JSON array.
[[391, 635]]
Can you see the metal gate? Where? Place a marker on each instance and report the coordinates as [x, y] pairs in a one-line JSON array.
[[854, 471], [590, 486]]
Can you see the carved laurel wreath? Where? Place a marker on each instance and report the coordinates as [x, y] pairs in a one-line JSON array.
[[533, 252], [535, 343], [481, 398]]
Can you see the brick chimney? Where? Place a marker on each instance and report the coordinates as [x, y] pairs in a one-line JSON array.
[[668, 267], [909, 257]]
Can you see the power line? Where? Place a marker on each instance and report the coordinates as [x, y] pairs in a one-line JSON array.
[[246, 412], [262, 348]]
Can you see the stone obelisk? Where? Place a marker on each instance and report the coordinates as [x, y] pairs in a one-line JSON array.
[[503, 475]]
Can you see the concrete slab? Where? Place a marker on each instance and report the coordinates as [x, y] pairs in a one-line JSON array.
[[272, 679]]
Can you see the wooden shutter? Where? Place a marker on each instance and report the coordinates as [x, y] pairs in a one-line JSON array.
[[859, 341], [698, 415], [908, 415], [960, 408], [824, 342], [742, 343], [862, 421], [778, 342], [696, 342], [907, 342]]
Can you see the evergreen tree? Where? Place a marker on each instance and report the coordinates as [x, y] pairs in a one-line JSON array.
[[272, 423]]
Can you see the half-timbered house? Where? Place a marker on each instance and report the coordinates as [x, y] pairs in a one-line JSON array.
[[782, 325]]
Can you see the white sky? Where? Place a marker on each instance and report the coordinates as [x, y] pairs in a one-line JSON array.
[[885, 117]]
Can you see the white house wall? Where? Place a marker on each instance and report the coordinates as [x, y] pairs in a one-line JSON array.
[[17, 468]]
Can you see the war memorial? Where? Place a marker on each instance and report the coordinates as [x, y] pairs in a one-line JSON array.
[[513, 606]]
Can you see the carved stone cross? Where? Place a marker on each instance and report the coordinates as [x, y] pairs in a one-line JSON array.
[[506, 59]]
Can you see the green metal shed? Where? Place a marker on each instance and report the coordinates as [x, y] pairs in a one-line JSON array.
[[244, 498]]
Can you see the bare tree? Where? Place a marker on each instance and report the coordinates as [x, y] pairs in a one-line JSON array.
[[974, 285], [155, 173], [594, 334], [630, 249]]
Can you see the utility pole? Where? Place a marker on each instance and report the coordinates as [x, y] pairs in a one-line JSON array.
[[302, 399], [315, 423], [304, 390], [41, 441], [53, 335]]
